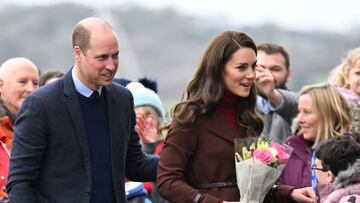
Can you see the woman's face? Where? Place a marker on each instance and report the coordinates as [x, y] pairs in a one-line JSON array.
[[239, 72], [308, 117], [354, 78], [322, 176]]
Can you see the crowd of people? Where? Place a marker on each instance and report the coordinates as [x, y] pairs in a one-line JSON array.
[[85, 136]]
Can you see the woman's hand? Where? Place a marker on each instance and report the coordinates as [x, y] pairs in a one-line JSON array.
[[304, 195]]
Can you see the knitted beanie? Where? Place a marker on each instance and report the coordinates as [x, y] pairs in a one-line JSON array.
[[146, 97]]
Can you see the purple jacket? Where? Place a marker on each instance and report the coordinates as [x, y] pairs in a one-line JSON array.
[[297, 171]]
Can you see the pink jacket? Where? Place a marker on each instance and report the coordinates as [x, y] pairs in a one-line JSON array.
[[350, 193], [347, 186]]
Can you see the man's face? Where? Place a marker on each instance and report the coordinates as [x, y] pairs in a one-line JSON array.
[[275, 63], [18, 83], [98, 65]]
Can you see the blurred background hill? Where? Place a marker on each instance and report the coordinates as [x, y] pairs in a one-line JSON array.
[[161, 44]]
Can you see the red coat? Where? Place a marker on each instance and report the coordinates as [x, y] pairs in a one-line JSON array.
[[200, 154], [7, 130], [4, 163], [6, 138]]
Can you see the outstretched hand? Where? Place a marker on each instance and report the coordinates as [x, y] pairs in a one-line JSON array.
[[265, 81], [146, 128], [306, 195]]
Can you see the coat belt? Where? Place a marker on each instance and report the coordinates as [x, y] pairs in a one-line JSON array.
[[216, 185]]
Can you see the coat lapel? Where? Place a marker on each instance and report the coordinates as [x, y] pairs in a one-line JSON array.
[[72, 103], [220, 126]]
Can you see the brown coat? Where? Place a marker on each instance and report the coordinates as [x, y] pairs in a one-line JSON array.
[[200, 154]]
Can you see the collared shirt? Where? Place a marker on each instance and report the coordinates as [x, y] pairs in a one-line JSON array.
[[80, 87], [265, 106]]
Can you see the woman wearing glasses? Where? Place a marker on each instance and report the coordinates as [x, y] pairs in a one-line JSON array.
[[323, 113], [338, 163]]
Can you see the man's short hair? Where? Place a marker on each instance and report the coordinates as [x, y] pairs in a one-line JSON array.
[[82, 32], [271, 48], [81, 38]]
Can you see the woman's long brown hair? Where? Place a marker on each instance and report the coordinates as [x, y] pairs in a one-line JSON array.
[[206, 88]]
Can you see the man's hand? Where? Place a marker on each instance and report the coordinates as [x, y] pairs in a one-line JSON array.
[[146, 128], [306, 195], [265, 81]]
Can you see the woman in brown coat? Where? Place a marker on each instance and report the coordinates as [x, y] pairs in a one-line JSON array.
[[197, 163]]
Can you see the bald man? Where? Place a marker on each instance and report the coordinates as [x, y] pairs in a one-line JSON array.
[[75, 140], [18, 78]]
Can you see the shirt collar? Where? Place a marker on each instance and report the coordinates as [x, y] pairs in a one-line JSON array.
[[262, 105], [80, 87]]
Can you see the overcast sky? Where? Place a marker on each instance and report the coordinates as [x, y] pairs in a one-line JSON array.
[[331, 15]]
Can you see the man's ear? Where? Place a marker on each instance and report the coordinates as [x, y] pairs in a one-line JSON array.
[[330, 177], [77, 53], [288, 76]]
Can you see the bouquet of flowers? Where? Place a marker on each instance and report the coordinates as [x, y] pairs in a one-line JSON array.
[[259, 164]]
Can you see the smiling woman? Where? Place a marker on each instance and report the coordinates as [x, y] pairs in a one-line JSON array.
[[323, 113], [218, 106], [197, 162], [239, 74]]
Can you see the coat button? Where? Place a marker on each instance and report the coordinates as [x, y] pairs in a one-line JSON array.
[[87, 194]]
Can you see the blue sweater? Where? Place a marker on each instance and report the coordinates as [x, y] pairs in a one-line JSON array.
[[97, 130]]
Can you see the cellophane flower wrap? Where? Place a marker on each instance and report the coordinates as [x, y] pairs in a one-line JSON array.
[[259, 164]]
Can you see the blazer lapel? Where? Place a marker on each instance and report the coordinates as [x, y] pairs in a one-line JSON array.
[[72, 103], [115, 115], [113, 112], [219, 125]]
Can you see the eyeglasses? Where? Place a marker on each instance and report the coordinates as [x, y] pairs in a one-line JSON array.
[[319, 169]]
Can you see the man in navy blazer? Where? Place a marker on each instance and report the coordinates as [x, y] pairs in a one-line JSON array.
[[71, 146]]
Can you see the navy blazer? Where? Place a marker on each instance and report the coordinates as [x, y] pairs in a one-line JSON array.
[[50, 158]]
